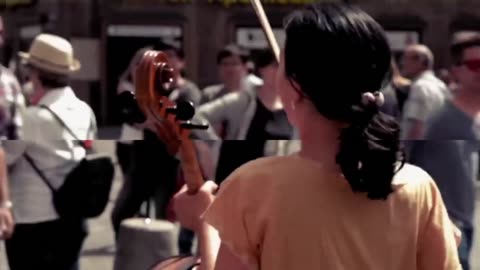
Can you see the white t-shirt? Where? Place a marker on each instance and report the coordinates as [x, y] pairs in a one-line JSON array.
[[427, 95], [53, 150]]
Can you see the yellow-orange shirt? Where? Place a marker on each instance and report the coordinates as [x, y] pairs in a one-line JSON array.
[[290, 213]]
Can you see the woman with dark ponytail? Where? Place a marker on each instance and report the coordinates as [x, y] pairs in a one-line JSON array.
[[347, 200]]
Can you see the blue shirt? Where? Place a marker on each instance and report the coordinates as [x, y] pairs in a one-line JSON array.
[[449, 154]]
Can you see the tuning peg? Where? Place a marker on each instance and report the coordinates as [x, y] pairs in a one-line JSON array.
[[126, 96], [184, 110], [190, 125]]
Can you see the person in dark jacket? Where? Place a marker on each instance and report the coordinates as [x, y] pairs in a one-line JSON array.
[[396, 93]]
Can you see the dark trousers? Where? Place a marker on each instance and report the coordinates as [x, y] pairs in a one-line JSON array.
[[152, 173], [466, 247], [53, 245], [124, 154]]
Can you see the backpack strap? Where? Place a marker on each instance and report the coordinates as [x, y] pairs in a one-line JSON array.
[[64, 125], [39, 172]]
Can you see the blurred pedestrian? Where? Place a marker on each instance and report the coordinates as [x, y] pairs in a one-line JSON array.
[[57, 127], [6, 216], [427, 93], [12, 101], [450, 150], [183, 89], [233, 67]]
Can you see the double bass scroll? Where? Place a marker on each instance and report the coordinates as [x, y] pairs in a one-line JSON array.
[[143, 242], [171, 121]]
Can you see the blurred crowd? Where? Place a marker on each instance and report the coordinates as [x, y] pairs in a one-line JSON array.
[[436, 110]]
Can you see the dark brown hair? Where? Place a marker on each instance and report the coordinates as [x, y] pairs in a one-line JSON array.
[[458, 46], [336, 53]]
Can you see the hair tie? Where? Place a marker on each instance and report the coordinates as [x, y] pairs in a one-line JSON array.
[[376, 98]]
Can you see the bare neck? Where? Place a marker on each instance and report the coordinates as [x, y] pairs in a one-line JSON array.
[[468, 102], [233, 86], [320, 141]]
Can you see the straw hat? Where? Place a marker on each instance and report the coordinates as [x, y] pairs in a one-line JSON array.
[[52, 54]]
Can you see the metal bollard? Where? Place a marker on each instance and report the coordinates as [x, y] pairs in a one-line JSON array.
[[143, 242]]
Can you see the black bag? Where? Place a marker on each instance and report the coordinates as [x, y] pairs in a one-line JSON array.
[[86, 189]]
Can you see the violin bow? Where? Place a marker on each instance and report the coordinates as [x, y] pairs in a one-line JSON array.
[[267, 28]]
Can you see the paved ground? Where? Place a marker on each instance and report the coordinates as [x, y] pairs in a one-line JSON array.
[[97, 253]]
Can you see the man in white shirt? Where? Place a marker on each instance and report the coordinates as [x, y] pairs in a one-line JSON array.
[[12, 102], [233, 72], [42, 239], [427, 92]]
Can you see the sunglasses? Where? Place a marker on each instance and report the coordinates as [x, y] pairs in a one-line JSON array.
[[473, 64]]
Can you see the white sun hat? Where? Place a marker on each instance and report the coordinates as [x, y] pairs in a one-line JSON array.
[[52, 54]]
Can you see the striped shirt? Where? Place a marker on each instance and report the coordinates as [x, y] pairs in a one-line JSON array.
[[12, 105]]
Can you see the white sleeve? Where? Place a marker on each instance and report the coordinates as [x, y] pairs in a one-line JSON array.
[[93, 130], [417, 107]]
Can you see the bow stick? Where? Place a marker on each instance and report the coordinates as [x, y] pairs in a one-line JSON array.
[[267, 28]]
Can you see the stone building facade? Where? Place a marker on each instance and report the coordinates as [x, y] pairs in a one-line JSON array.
[[106, 33]]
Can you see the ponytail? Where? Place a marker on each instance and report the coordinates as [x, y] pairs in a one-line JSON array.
[[369, 149], [355, 57]]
